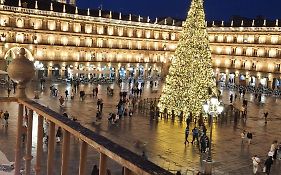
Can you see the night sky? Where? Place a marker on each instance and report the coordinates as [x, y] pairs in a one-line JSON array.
[[215, 9]]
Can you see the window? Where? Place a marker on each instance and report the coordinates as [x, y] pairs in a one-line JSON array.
[[88, 28], [64, 26], [77, 27], [277, 67]]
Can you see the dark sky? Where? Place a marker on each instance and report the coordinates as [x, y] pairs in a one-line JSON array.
[[215, 9]]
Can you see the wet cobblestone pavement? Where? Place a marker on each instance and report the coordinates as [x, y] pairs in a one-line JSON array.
[[162, 140]]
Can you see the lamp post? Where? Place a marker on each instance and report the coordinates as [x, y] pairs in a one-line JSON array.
[[212, 107]]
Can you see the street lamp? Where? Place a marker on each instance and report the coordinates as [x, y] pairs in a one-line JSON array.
[[212, 107]]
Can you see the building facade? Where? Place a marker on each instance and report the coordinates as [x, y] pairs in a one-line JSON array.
[[65, 42]]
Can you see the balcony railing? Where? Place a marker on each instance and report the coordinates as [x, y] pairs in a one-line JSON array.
[[132, 163]]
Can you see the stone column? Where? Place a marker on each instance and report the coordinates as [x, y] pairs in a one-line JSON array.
[[18, 139], [65, 153], [102, 166], [28, 156], [83, 158], [39, 145], [51, 148]]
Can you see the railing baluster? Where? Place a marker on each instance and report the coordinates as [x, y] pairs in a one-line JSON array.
[[39, 145], [65, 152], [18, 140], [51, 148], [28, 156], [83, 158], [102, 166]]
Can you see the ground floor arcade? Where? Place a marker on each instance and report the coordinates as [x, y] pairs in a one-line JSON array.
[[248, 78]]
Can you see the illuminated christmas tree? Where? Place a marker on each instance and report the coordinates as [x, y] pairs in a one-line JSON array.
[[190, 76]]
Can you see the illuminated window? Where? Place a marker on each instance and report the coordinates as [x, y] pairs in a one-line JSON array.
[[77, 27], [36, 23], [64, 26], [249, 52], [173, 36], [77, 41], [156, 46], [4, 20], [251, 39], [51, 25], [240, 39], [88, 42], [64, 40], [156, 34], [238, 51], [20, 38], [262, 39], [274, 39], [260, 53], [220, 38], [228, 50], [165, 35], [139, 45], [229, 39], [147, 34], [130, 32], [20, 22], [139, 33], [120, 31], [100, 30], [110, 30], [272, 53], [88, 28], [99, 42], [51, 39]]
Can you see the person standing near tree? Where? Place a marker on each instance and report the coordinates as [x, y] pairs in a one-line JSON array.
[[186, 135]]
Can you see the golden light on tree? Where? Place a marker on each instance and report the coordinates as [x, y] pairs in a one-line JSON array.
[[190, 76]]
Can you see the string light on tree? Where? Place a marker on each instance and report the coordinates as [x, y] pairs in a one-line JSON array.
[[190, 76]]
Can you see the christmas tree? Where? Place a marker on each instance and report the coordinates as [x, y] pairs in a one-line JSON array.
[[190, 76]]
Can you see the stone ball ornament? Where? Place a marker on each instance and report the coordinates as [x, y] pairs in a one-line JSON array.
[[21, 70]]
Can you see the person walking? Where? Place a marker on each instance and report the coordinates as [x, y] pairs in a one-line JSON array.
[[249, 137], [256, 162], [265, 117], [58, 134], [195, 135], [186, 135], [274, 148], [9, 91], [97, 91], [6, 117], [243, 135], [61, 101], [66, 94], [231, 98], [267, 164], [2, 117]]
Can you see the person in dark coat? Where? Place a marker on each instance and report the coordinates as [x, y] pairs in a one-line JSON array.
[[95, 170], [267, 164]]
